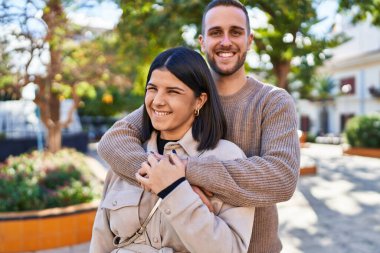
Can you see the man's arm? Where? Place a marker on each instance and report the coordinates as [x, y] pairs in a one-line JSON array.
[[121, 146], [258, 180]]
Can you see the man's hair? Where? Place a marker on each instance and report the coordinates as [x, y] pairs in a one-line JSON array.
[[190, 67], [233, 3]]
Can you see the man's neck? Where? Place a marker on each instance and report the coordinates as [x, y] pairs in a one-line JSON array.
[[228, 85]]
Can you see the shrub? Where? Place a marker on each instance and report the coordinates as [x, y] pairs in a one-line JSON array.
[[363, 131], [40, 180]]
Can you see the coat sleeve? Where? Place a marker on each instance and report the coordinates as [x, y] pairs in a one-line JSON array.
[[262, 180], [102, 236], [202, 231], [121, 146]]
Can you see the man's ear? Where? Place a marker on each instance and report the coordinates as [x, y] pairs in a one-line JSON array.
[[201, 42], [250, 40]]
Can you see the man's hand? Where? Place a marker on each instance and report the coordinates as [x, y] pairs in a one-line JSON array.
[[204, 195]]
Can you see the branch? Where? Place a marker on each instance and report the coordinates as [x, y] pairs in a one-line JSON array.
[[74, 106]]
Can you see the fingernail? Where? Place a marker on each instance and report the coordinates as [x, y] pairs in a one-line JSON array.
[[174, 152]]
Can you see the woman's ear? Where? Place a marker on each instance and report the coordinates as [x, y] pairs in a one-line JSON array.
[[201, 100]]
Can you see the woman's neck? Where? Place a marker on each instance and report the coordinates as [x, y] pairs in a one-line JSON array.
[[161, 143]]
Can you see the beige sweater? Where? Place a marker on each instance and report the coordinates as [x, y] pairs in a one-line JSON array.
[[261, 120]]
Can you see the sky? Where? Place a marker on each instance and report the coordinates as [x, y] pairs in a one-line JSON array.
[[100, 15]]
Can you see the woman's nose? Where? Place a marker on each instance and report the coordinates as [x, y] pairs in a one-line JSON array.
[[159, 99]]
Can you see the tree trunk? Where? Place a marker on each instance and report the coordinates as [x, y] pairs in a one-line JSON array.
[[54, 138], [281, 71], [55, 20]]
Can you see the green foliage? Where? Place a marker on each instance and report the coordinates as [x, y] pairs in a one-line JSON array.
[[147, 27], [41, 180], [142, 21], [310, 137], [110, 102], [364, 9], [288, 35], [7, 78], [363, 131]]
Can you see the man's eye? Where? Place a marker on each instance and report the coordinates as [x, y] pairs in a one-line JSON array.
[[151, 88], [236, 33], [215, 33]]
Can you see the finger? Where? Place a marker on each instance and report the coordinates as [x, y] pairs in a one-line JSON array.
[[204, 198], [208, 193], [145, 168], [152, 160], [142, 180], [175, 159], [142, 171], [157, 155]]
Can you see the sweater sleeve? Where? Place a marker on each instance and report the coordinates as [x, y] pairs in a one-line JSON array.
[[261, 180], [121, 146]]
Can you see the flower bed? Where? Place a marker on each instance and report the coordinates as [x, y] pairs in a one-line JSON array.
[[363, 136], [368, 152], [46, 229], [47, 200]]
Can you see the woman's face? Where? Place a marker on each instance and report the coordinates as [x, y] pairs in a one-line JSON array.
[[171, 104]]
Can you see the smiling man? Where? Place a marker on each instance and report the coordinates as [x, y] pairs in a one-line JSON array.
[[261, 120]]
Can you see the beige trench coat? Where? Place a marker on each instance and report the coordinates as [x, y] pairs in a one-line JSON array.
[[182, 222]]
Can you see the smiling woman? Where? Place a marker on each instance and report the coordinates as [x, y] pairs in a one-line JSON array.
[[171, 104]]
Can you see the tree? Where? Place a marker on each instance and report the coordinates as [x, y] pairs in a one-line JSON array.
[[47, 40], [147, 27], [69, 70], [288, 38], [7, 78], [362, 10]]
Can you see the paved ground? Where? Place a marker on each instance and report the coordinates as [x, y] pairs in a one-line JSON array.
[[335, 211]]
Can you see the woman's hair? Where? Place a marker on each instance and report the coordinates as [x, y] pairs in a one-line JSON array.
[[190, 67]]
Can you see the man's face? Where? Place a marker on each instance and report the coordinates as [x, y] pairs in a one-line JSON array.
[[226, 39]]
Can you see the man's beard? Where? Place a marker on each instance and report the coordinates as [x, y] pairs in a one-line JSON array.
[[216, 69]]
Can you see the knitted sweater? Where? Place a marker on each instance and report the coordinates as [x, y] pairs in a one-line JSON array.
[[261, 120]]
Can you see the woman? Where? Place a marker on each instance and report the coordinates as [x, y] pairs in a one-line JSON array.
[[182, 117]]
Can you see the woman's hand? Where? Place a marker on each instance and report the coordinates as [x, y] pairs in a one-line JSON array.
[[159, 174]]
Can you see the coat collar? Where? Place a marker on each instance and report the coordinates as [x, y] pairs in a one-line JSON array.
[[185, 146]]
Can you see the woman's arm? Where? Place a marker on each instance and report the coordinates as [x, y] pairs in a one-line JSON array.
[[102, 236], [202, 231]]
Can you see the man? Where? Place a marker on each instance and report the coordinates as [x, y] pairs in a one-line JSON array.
[[261, 119]]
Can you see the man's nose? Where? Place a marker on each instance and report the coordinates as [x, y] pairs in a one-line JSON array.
[[226, 40]]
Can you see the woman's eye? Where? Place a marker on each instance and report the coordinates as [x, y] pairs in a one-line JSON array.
[[151, 88]]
